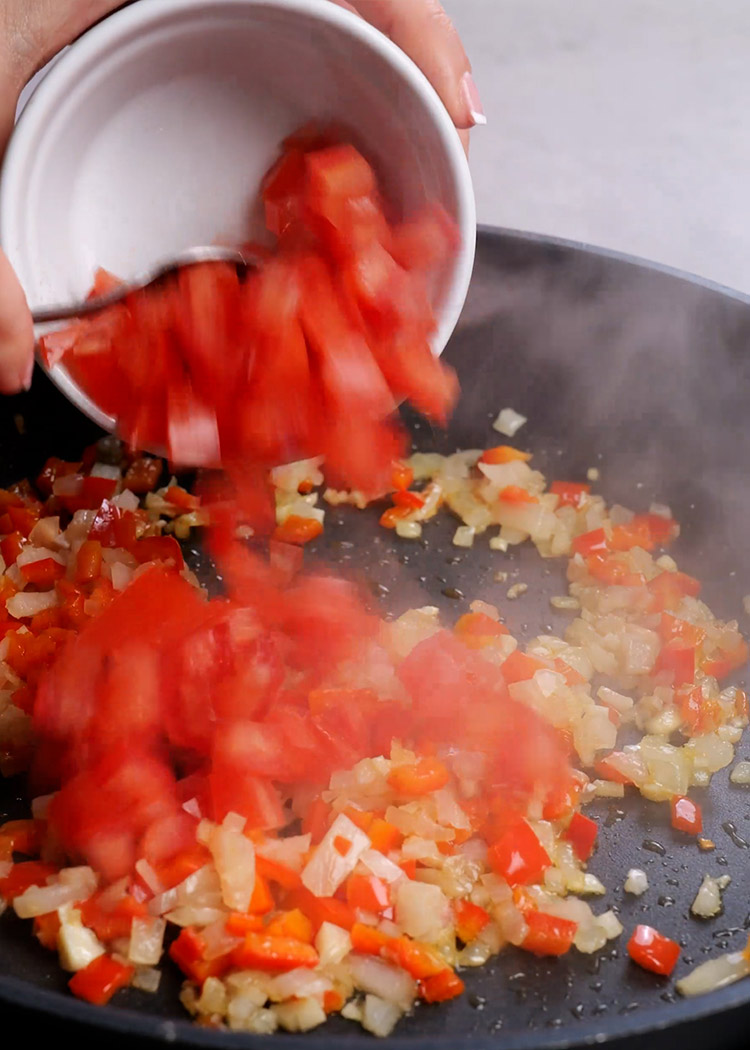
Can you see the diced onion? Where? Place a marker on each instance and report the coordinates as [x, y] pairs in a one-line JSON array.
[[146, 940], [146, 978], [714, 974], [29, 603], [381, 978], [380, 1016], [422, 910], [300, 1015], [327, 869], [636, 882], [741, 773], [234, 857], [509, 422], [708, 901]]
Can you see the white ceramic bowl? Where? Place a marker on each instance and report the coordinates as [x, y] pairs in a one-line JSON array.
[[151, 134]]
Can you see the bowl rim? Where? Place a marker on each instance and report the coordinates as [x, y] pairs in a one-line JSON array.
[[134, 18]]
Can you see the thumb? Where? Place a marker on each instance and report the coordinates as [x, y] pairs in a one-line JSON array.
[[424, 31], [16, 333]]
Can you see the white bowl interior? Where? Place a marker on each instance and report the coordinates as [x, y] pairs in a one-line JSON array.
[[152, 133]]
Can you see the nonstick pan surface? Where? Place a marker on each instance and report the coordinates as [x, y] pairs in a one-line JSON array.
[[645, 375]]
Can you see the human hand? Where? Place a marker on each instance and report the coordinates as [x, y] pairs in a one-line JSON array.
[[32, 31]]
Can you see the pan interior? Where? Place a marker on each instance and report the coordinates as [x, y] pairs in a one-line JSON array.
[[617, 366]]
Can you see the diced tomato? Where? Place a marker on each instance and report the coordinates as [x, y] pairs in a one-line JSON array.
[[423, 777], [670, 627], [182, 499], [653, 951], [504, 454], [188, 952], [238, 924], [367, 892], [581, 833], [686, 815], [158, 548], [337, 172], [384, 836], [390, 518], [23, 519], [518, 855], [548, 934], [570, 493], [21, 836], [725, 661], [516, 495], [292, 924], [519, 667], [260, 951], [470, 920], [332, 1001], [367, 940], [562, 800], [298, 530], [53, 469], [441, 987], [143, 475], [612, 571], [11, 546], [478, 630], [668, 589], [321, 909], [23, 875], [676, 661], [588, 543], [425, 241], [402, 477], [316, 820], [47, 929], [99, 981], [419, 960], [113, 922], [43, 573], [408, 500], [88, 561]]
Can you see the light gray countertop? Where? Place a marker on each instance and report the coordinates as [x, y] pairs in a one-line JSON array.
[[624, 123]]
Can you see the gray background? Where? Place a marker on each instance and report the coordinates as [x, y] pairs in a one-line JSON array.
[[625, 123]]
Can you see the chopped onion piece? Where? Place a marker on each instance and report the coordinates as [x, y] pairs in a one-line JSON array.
[[381, 978], [708, 901], [741, 773], [380, 1016], [509, 422], [146, 940], [146, 978], [149, 876], [29, 603], [328, 867], [300, 1015], [464, 536], [234, 857], [714, 974], [381, 866], [422, 910], [636, 882], [332, 944]]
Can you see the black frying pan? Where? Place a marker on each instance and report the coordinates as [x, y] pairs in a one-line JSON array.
[[646, 375]]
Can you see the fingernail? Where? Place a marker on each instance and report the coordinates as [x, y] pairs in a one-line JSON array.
[[472, 99], [26, 374]]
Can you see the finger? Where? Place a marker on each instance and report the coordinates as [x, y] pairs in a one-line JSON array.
[[16, 333], [423, 30], [463, 134]]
